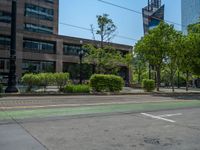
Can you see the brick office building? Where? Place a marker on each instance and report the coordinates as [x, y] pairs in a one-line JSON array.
[[39, 47]]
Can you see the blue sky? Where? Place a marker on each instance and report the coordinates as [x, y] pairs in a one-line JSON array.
[[83, 13]]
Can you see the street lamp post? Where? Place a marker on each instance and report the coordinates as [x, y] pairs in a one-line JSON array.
[[81, 53], [12, 71]]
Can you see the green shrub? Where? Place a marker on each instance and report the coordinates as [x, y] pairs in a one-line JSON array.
[[61, 79], [30, 80], [45, 79], [77, 89], [1, 88], [106, 83], [148, 85]]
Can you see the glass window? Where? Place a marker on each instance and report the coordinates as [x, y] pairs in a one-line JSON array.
[[5, 17], [71, 49], [39, 46], [4, 40], [38, 66], [39, 12], [2, 64], [38, 28]]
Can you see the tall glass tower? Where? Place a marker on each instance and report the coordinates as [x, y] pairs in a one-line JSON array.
[[190, 10], [153, 13]]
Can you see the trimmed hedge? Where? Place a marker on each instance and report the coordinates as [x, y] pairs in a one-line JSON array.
[[148, 85], [30, 80], [106, 83], [45, 79], [77, 89]]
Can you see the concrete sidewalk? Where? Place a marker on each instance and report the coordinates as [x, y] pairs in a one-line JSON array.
[[162, 90]]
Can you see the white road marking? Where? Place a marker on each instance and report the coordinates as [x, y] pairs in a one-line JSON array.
[[158, 117], [171, 115]]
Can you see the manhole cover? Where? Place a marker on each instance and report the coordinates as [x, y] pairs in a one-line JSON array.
[[154, 141]]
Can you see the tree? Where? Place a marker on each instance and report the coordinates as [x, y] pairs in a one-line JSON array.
[[190, 62], [106, 28], [173, 55], [186, 58], [194, 36], [107, 60], [154, 47], [139, 67]]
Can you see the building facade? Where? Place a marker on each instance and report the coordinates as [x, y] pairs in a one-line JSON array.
[[39, 47], [190, 12], [152, 14]]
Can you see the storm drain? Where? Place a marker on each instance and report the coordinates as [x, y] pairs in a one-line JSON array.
[[153, 141]]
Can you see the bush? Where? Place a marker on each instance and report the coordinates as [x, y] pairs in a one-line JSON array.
[[1, 88], [61, 79], [148, 85], [30, 80], [77, 89], [45, 79], [106, 83]]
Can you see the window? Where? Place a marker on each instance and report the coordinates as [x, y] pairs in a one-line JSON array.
[[39, 46], [4, 40], [38, 66], [5, 17], [38, 12], [49, 1], [2, 64], [71, 49], [38, 28]]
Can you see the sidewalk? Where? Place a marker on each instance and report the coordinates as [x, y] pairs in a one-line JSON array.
[[162, 90]]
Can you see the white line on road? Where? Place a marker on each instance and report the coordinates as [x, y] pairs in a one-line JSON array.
[[158, 117], [171, 115]]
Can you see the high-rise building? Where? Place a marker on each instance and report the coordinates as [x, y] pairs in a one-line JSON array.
[[39, 48], [190, 11], [153, 13]]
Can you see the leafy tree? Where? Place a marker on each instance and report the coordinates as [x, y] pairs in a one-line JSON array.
[[154, 47], [107, 60], [190, 61], [173, 57], [106, 28], [194, 37], [139, 67]]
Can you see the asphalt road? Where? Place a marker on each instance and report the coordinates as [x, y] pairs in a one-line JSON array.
[[179, 130]]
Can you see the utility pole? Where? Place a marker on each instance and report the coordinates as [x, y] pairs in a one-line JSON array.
[[12, 71]]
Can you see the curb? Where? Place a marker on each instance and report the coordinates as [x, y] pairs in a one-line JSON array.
[[101, 94]]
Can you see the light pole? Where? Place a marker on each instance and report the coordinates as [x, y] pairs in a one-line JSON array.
[[81, 53], [12, 71]]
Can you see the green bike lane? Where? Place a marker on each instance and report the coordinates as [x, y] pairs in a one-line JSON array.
[[7, 114]]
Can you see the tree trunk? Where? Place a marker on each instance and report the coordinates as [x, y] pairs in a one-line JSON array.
[[158, 78], [178, 80], [187, 78], [139, 75], [149, 71], [172, 79], [93, 69]]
